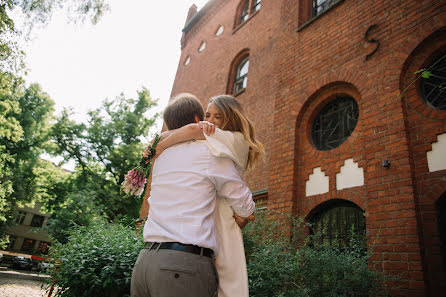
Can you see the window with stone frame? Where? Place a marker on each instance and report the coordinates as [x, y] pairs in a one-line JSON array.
[[246, 9], [334, 123], [28, 245], [43, 247], [20, 217], [433, 86], [37, 221], [337, 223], [241, 75]]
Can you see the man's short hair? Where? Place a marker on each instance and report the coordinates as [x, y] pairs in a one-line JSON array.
[[182, 110]]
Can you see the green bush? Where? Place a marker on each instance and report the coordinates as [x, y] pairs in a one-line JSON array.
[[283, 262], [96, 261]]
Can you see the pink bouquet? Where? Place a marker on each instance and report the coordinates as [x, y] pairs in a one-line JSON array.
[[135, 180]]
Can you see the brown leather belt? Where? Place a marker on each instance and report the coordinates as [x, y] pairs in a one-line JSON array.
[[190, 248]]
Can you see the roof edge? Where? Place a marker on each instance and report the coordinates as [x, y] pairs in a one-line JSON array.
[[198, 16]]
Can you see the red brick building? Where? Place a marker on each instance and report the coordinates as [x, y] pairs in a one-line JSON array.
[[353, 136]]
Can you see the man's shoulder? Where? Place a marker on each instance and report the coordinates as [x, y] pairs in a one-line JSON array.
[[193, 147]]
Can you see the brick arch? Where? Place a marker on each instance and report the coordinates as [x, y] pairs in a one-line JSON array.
[[355, 195], [419, 36], [317, 208], [307, 156], [316, 102], [423, 124], [419, 58], [238, 12]]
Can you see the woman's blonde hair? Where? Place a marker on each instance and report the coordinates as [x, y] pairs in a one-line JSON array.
[[234, 119]]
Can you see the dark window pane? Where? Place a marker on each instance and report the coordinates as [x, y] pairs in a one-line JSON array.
[[256, 5], [319, 6], [335, 123], [244, 15], [334, 225], [28, 245], [20, 217], [433, 89], [43, 247], [37, 221], [241, 75]]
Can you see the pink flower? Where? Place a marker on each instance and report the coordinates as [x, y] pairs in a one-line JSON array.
[[135, 180]]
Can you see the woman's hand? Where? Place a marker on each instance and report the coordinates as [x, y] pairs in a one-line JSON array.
[[207, 127], [159, 149], [241, 221]]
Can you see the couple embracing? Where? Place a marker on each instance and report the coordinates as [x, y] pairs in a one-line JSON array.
[[198, 202]]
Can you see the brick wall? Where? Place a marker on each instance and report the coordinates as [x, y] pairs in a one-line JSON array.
[[297, 65], [326, 57], [208, 72]]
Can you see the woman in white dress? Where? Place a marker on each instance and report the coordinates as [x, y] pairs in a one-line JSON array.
[[230, 134]]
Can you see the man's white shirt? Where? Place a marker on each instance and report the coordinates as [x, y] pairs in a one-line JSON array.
[[186, 179]]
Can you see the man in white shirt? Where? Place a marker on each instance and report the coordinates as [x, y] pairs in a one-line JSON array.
[[180, 232]]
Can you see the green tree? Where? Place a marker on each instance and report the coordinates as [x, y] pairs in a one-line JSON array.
[[105, 148], [10, 132], [24, 122], [78, 209]]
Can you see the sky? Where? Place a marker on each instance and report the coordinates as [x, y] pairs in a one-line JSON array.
[[136, 44]]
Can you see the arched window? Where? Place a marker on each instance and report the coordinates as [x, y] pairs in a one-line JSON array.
[[241, 75], [335, 123], [433, 88], [336, 222], [441, 207], [246, 9], [244, 14], [256, 4]]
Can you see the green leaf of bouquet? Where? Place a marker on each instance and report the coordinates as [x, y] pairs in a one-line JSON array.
[[426, 74]]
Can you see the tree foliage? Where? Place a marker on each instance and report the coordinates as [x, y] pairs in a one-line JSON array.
[[105, 148], [24, 116]]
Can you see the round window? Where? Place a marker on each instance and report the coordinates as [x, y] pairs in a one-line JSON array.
[[433, 88], [335, 123]]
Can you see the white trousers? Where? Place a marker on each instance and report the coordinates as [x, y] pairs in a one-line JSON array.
[[230, 261]]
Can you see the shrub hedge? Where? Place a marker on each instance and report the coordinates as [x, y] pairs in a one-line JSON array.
[[98, 261]]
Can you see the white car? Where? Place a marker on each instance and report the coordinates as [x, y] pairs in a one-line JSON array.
[[44, 266]]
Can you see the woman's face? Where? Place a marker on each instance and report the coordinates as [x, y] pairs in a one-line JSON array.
[[214, 115]]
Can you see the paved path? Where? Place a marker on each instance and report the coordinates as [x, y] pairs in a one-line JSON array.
[[10, 287], [21, 284]]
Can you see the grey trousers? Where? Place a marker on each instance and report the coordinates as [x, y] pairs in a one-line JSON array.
[[170, 273]]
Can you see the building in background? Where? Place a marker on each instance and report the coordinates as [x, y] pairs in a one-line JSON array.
[[26, 237], [355, 137]]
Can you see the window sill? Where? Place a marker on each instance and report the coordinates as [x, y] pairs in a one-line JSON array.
[[242, 24], [306, 24]]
